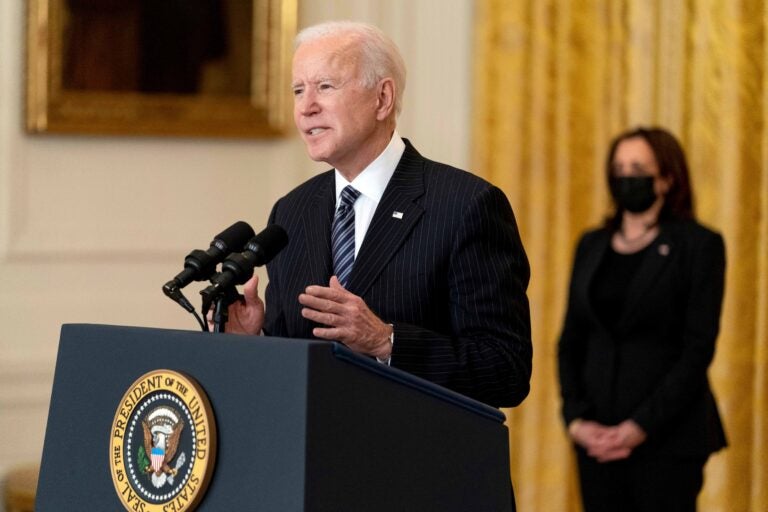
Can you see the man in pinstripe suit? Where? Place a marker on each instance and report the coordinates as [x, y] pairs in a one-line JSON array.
[[438, 284]]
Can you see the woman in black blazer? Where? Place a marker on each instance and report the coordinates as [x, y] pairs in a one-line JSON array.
[[639, 335]]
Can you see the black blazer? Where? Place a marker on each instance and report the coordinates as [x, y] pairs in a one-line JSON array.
[[653, 367], [450, 275]]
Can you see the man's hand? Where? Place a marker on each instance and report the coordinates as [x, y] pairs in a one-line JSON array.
[[348, 319], [246, 316]]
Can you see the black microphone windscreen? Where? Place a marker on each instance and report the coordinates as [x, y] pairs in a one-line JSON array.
[[234, 237], [270, 241]]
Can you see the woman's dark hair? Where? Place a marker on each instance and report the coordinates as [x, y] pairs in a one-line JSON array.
[[678, 203]]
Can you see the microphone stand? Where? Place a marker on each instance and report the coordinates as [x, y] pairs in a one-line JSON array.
[[220, 300], [220, 314]]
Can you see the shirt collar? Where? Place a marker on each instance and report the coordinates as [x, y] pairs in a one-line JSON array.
[[374, 178]]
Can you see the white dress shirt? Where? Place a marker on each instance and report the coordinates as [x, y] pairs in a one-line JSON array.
[[371, 184]]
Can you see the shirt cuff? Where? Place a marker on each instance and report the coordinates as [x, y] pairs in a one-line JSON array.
[[388, 360]]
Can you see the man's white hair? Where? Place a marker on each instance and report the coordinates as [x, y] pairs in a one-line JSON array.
[[380, 56]]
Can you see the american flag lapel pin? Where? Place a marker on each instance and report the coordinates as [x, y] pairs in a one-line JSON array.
[[397, 215]]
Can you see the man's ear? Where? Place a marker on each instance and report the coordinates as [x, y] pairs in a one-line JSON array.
[[385, 98]]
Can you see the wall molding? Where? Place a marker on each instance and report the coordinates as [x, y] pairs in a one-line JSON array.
[[25, 384]]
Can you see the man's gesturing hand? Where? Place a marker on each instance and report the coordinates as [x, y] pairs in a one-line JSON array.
[[246, 316], [347, 318]]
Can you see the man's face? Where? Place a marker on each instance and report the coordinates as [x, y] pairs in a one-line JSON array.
[[335, 114]]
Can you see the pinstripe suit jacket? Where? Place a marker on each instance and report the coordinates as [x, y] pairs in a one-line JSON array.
[[450, 275]]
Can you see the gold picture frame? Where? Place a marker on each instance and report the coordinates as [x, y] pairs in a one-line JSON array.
[[260, 108]]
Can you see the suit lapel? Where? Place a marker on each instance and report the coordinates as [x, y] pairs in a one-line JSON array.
[[591, 264], [395, 217], [317, 230]]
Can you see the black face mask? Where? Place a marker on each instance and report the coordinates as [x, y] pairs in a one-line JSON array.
[[633, 193]]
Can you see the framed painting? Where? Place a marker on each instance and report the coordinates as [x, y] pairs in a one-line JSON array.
[[213, 68]]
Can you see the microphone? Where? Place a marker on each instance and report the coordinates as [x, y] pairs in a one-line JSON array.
[[238, 267], [201, 265]]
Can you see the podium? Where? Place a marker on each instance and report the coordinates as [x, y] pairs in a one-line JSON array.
[[301, 426]]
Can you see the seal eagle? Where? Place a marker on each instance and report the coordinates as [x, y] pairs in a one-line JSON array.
[[162, 431]]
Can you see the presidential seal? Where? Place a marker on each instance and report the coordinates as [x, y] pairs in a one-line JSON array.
[[163, 444]]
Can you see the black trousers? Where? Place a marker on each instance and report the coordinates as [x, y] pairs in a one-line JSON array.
[[648, 481]]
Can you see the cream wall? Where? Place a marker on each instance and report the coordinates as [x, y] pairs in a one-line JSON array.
[[91, 227]]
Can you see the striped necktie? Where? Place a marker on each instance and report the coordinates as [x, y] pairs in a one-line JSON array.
[[343, 235]]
